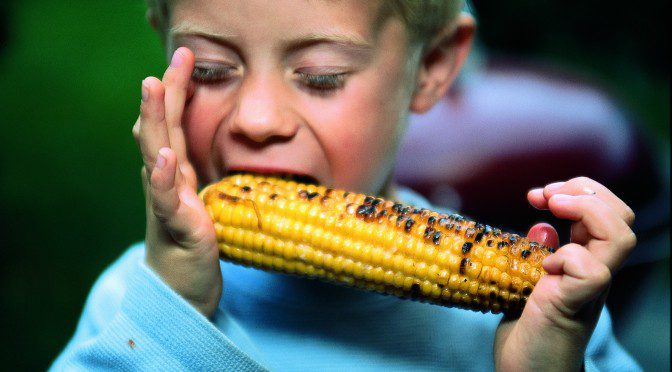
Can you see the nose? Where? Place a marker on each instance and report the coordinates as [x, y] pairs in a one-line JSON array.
[[263, 113]]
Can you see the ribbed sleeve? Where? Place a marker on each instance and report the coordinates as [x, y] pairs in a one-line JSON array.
[[134, 321]]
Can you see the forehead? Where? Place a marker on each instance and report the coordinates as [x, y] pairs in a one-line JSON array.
[[248, 20]]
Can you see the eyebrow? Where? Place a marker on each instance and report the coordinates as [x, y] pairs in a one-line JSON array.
[[352, 42], [187, 29], [349, 41]]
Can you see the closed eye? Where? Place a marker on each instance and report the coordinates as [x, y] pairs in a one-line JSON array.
[[326, 82], [212, 74]]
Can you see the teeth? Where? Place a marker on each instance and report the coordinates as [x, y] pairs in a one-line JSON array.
[[299, 178]]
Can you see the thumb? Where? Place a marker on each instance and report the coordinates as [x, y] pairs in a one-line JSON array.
[[545, 234]]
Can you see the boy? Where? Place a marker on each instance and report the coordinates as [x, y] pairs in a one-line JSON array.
[[321, 89]]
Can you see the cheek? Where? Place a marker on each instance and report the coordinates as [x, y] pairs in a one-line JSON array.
[[202, 118], [366, 126]]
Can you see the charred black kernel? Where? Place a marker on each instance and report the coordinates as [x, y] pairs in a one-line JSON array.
[[465, 279], [513, 238], [552, 250], [478, 237], [437, 238], [409, 225], [457, 229], [501, 245], [376, 202], [368, 200], [492, 282], [443, 221], [416, 210], [405, 210], [431, 220], [246, 189], [463, 265], [440, 285], [362, 210], [313, 195], [396, 208], [366, 210], [415, 290], [450, 226], [496, 232], [382, 213], [479, 226], [466, 247], [273, 196], [328, 192], [487, 230], [527, 291], [428, 231], [345, 194], [489, 243], [525, 253]]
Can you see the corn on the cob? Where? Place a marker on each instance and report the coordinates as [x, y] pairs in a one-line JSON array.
[[358, 240]]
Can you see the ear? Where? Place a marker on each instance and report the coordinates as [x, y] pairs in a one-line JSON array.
[[153, 19], [441, 63]]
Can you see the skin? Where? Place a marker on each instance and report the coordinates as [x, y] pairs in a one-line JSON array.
[[266, 114]]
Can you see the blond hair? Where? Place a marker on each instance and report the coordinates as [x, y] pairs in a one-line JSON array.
[[424, 19]]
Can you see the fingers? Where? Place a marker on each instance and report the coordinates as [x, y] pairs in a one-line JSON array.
[[177, 80], [583, 186], [173, 203], [152, 134], [545, 234], [584, 279], [611, 239]]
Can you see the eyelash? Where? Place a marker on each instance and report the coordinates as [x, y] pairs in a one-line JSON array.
[[211, 75], [321, 83]]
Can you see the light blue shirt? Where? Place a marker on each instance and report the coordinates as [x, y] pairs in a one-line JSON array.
[[265, 321]]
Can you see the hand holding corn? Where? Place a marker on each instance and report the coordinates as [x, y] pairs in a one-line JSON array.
[[561, 313], [180, 240]]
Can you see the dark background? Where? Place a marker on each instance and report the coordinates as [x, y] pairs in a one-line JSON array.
[[70, 194]]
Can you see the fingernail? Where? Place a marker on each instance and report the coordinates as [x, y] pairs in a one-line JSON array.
[[177, 59], [145, 92], [537, 190], [160, 160], [554, 186]]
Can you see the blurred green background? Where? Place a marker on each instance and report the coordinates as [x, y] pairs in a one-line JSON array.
[[70, 74]]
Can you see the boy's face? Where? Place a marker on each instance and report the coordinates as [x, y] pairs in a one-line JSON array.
[[313, 87]]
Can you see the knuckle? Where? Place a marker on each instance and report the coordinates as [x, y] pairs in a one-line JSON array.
[[629, 215], [581, 180], [628, 240], [160, 212]]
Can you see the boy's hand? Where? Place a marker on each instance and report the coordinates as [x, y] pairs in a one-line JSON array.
[[180, 239], [562, 311]]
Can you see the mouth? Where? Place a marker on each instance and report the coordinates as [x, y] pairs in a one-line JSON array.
[[277, 173]]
